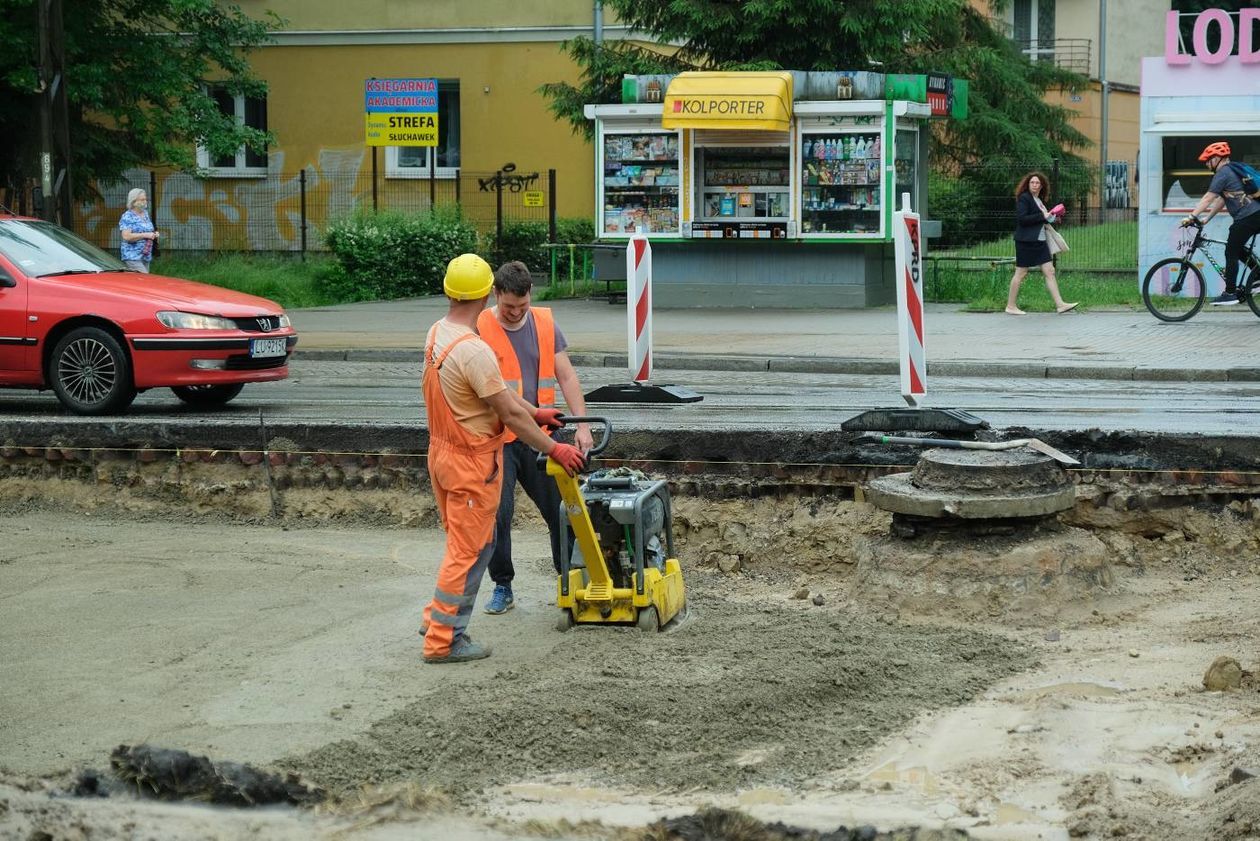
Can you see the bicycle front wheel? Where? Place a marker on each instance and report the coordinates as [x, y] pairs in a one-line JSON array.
[[1173, 289]]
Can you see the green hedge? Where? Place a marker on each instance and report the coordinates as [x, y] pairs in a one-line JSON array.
[[526, 241], [389, 254], [522, 241]]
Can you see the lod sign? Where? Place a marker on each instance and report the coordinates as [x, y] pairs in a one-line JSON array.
[[1248, 48]]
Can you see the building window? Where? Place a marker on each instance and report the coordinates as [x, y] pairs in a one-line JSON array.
[[1033, 28], [251, 111], [414, 161]]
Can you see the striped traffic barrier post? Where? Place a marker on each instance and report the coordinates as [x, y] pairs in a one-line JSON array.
[[639, 338], [912, 346], [908, 256], [639, 308]]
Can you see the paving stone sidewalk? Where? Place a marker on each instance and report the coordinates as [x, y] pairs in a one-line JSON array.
[[1216, 345]]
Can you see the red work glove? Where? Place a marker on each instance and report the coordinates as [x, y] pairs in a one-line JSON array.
[[567, 456], [548, 419]]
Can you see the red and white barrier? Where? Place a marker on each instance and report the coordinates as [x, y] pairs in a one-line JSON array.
[[639, 307], [908, 251]]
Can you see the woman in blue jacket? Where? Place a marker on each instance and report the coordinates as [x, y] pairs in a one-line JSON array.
[[1031, 249]]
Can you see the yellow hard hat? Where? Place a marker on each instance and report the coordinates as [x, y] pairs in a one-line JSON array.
[[468, 277]]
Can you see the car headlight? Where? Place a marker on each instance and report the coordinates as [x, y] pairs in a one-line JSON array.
[[284, 321], [193, 321]]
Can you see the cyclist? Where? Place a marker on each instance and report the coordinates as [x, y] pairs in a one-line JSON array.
[[1226, 190]]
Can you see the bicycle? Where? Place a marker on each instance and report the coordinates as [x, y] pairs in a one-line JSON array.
[[1173, 289]]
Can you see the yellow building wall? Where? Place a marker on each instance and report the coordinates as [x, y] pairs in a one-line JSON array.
[[361, 15], [1123, 120], [315, 107], [315, 110]]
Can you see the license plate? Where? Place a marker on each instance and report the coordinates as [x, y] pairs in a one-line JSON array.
[[263, 348]]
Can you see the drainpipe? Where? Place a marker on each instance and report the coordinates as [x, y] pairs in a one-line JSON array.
[[599, 23], [1102, 81]]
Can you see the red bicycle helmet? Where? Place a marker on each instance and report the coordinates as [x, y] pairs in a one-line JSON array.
[[1219, 149]]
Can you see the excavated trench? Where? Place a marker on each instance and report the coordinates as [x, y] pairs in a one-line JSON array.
[[820, 630]]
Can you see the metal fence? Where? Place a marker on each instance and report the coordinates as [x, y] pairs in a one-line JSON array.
[[289, 211], [976, 208]]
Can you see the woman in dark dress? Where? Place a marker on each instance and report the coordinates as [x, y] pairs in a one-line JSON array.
[[1031, 249]]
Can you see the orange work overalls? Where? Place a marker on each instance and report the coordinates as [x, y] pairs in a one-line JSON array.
[[464, 471]]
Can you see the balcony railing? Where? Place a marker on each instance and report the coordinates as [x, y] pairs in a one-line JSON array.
[[1065, 53]]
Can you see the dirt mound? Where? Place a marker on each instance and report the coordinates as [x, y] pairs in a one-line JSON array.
[[733, 826], [747, 693], [779, 535]]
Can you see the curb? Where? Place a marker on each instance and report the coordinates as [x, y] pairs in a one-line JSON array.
[[847, 365]]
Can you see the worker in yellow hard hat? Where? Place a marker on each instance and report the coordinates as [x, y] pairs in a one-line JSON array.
[[468, 405]]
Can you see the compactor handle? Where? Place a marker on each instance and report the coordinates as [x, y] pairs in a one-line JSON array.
[[597, 449], [603, 439]]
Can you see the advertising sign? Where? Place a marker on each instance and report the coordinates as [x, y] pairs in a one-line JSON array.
[[400, 96], [402, 130], [738, 230], [401, 112]]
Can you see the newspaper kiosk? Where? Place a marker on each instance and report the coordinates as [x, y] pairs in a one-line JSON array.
[[766, 189]]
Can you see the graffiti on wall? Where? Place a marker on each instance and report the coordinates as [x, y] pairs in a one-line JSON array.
[[508, 179], [217, 214], [1116, 189]]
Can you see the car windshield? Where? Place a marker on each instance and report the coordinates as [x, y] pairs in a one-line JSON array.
[[42, 248]]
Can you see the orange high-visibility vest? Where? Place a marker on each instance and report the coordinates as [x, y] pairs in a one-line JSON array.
[[493, 334]]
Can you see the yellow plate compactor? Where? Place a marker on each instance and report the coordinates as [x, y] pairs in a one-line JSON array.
[[621, 568]]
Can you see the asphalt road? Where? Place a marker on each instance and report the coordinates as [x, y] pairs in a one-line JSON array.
[[389, 393]]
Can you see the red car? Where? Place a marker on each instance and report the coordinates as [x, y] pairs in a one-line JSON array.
[[74, 319]]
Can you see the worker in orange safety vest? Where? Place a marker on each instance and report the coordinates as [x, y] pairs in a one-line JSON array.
[[531, 353], [468, 405]]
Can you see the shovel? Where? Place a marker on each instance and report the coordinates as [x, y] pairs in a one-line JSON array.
[[951, 443]]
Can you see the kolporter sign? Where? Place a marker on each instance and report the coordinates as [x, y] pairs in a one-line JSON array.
[[729, 100], [401, 112], [720, 106]]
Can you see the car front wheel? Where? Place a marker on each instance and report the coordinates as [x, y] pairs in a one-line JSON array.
[[90, 372], [207, 395]]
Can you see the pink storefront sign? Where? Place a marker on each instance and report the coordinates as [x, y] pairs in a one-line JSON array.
[[1206, 22]]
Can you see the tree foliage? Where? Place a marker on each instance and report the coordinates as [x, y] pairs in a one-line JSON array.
[[137, 75], [1010, 124]]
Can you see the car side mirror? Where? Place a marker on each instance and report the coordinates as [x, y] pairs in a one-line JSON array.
[[6, 280]]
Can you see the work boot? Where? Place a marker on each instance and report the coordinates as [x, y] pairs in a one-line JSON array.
[[463, 649], [501, 600]]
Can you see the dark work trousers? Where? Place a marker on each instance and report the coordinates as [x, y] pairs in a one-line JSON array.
[[520, 464], [1236, 245]]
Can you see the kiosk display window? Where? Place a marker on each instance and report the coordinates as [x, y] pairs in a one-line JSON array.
[[745, 183], [1186, 179], [903, 165], [641, 183], [840, 183]]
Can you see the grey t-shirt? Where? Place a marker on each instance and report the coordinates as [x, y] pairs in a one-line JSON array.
[[524, 341], [1227, 184]]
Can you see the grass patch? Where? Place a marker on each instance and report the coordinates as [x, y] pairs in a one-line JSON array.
[[291, 283], [1113, 245], [984, 290], [1100, 272]]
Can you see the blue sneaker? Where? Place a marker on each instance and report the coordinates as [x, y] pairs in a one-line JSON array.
[[501, 601]]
